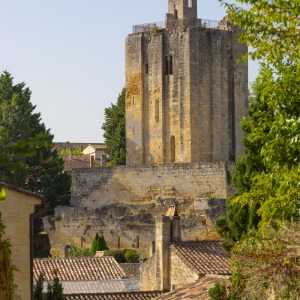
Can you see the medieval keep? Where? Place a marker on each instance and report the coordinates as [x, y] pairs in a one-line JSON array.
[[185, 99], [186, 94]]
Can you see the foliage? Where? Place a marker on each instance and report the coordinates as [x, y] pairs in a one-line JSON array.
[[55, 289], [8, 287], [26, 151], [267, 175], [271, 28], [38, 288], [269, 263], [119, 255], [124, 255], [78, 252], [218, 292], [114, 131], [99, 244], [131, 256], [71, 151]]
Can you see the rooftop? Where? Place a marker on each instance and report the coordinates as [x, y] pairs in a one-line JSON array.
[[203, 257], [198, 290], [115, 296], [78, 269]]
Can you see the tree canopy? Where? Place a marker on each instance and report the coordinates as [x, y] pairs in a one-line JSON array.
[[26, 150], [262, 216], [114, 131]]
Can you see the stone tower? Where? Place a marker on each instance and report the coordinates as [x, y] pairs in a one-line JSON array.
[[185, 93]]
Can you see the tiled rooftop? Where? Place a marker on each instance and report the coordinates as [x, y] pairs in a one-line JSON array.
[[198, 290], [115, 296], [100, 286], [204, 257], [77, 162], [73, 269]]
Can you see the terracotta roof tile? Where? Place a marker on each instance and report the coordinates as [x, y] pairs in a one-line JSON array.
[[204, 257], [85, 268], [100, 286], [115, 296], [198, 290], [77, 162]]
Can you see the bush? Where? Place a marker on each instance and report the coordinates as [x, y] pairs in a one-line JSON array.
[[124, 256], [99, 244]]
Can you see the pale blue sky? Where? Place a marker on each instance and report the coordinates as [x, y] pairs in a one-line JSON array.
[[71, 55]]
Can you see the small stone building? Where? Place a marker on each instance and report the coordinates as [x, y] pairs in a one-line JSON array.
[[176, 263], [17, 215]]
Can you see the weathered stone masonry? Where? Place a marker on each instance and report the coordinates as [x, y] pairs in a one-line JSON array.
[[121, 202]]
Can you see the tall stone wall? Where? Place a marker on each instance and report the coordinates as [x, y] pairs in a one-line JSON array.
[[122, 202], [138, 185]]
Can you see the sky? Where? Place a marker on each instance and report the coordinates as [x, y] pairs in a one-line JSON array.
[[71, 54]]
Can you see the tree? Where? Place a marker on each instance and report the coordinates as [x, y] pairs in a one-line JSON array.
[[114, 131], [268, 263], [55, 289], [38, 288], [78, 252], [99, 244], [266, 176], [42, 170], [271, 28]]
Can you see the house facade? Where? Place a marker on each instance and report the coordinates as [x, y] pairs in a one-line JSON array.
[[17, 214]]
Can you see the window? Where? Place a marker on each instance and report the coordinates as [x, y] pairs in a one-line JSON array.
[[166, 65], [156, 111], [172, 148], [175, 11], [171, 64], [147, 68]]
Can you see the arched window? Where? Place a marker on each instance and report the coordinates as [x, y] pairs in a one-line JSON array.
[[172, 148]]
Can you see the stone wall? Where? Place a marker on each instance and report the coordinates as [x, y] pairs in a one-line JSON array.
[[155, 184], [185, 95], [180, 274], [148, 274], [132, 270], [122, 202]]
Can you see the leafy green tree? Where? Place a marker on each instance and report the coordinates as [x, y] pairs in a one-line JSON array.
[[38, 288], [78, 252], [55, 289], [42, 171], [131, 256], [99, 244], [266, 176], [124, 255], [114, 131]]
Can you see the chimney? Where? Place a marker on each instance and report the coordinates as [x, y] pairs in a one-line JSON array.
[[162, 242], [167, 231]]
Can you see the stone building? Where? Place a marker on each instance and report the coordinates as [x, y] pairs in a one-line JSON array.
[[185, 98], [185, 93], [177, 263], [17, 215]]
